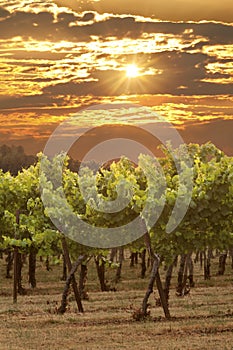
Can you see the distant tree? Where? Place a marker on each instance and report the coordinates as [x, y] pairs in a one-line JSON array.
[[14, 159]]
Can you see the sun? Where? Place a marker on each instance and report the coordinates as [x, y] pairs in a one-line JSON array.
[[132, 71]]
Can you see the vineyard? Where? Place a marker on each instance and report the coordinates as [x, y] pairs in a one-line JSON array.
[[164, 283]]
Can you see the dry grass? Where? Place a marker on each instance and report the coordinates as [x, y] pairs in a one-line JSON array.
[[201, 320]]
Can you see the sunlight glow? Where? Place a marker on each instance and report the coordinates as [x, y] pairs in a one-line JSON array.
[[132, 71]]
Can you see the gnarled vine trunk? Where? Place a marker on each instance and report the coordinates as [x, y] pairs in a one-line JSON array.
[[207, 264], [70, 278], [9, 263], [222, 263], [231, 255], [181, 278], [64, 268], [168, 278], [21, 290], [82, 282], [120, 261], [143, 263], [63, 306], [100, 267], [113, 254], [155, 277], [185, 275], [32, 267], [133, 259], [47, 264], [190, 270]]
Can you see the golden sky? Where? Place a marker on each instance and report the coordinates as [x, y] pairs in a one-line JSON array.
[[57, 57]]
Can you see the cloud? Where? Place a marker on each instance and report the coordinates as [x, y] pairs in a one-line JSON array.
[[68, 26], [4, 13], [54, 61], [176, 70], [78, 51], [176, 10]]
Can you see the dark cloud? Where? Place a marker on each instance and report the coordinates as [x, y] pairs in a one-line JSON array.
[[38, 26], [7, 102], [175, 10], [71, 17], [44, 26], [215, 32], [4, 12], [88, 16], [66, 17]]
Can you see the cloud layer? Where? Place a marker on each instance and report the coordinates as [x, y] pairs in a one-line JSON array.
[[56, 59]]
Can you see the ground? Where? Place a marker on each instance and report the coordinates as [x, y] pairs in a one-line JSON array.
[[201, 320]]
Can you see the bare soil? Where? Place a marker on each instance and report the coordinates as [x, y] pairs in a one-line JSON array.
[[203, 319]]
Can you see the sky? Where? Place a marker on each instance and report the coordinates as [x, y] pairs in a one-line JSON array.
[[58, 58]]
